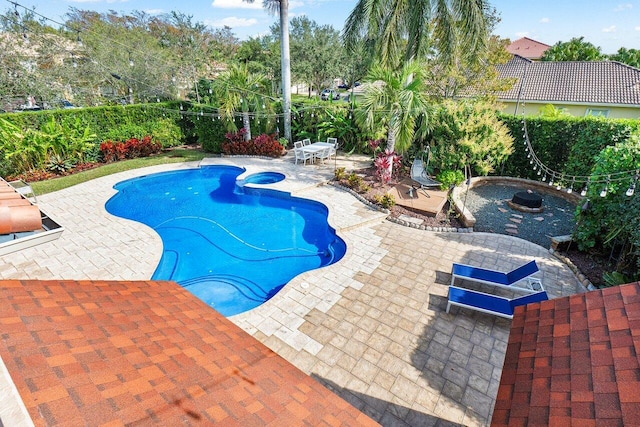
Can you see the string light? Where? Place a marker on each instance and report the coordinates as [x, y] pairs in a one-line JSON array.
[[603, 193], [575, 179], [632, 186]]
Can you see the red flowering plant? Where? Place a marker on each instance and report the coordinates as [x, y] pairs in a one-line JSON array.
[[141, 147], [132, 148], [262, 145], [375, 146], [387, 164], [108, 151]]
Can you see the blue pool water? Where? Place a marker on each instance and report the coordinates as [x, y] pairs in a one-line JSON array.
[[234, 247]]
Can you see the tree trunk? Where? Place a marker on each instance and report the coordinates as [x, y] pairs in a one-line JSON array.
[[246, 123], [391, 146], [285, 67]]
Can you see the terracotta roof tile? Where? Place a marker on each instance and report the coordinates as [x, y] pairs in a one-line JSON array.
[[527, 48], [593, 374], [116, 353]]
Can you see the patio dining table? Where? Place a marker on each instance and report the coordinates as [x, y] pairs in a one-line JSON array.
[[316, 148]]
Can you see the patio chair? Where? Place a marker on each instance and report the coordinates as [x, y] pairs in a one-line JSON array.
[[498, 278], [419, 176], [334, 149], [306, 141], [323, 154], [298, 150]]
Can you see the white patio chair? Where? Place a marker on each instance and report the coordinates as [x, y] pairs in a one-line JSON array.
[[298, 150], [334, 149], [306, 141], [323, 154]]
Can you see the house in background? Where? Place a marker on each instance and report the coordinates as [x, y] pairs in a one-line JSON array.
[[528, 48], [581, 88]]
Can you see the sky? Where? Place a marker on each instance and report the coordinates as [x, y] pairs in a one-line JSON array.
[[607, 24]]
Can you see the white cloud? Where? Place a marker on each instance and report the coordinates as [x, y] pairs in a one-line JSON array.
[[236, 4], [622, 7], [522, 33], [545, 20], [233, 22], [611, 29], [637, 28], [154, 11]]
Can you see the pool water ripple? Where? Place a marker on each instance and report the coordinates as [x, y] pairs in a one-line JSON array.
[[233, 247]]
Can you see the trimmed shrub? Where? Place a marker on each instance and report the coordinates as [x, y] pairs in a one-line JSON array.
[[130, 149], [262, 145]]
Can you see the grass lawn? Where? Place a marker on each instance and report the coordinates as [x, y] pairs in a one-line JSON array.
[[173, 156]]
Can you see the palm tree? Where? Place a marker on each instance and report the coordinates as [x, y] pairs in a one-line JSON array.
[[282, 6], [397, 26], [239, 90], [395, 100]]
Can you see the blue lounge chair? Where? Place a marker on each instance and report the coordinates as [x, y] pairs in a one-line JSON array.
[[498, 278], [491, 304]]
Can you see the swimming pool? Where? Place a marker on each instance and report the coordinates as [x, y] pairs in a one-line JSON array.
[[233, 246]]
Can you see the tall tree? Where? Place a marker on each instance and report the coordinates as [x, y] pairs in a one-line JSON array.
[[238, 90], [395, 101], [282, 6], [575, 49], [316, 50], [412, 27], [627, 56]]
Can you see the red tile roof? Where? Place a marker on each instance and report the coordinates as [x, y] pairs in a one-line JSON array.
[[96, 353], [527, 48], [573, 361]]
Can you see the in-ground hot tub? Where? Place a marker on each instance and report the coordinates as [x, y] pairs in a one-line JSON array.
[[264, 178]]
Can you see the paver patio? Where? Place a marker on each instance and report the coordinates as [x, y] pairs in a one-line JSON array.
[[372, 327]]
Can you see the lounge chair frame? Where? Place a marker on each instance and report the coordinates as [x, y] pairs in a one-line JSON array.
[[419, 175], [500, 279], [491, 304]]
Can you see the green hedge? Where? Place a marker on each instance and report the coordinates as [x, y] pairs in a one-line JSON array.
[[568, 144], [113, 122]]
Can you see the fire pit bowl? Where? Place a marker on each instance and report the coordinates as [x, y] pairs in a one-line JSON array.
[[526, 201]]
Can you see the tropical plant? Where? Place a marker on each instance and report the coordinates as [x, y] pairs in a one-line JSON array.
[[387, 201], [340, 124], [385, 163], [237, 90], [410, 28], [394, 100]]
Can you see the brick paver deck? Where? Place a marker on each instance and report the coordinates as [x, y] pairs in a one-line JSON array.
[[372, 327]]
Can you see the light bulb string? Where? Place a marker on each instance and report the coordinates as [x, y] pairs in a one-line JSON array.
[[574, 179]]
